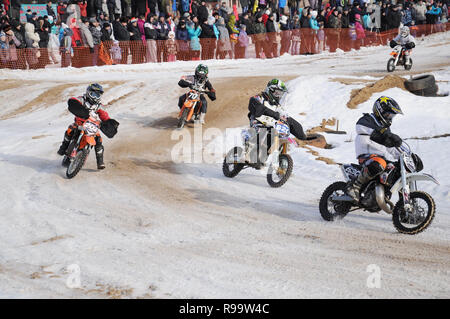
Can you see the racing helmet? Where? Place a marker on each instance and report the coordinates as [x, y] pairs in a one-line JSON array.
[[404, 32], [385, 109], [94, 93], [201, 72], [275, 90]]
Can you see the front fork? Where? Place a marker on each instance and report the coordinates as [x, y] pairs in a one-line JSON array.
[[406, 189]]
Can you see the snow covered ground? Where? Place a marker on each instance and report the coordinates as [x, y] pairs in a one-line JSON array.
[[148, 227]]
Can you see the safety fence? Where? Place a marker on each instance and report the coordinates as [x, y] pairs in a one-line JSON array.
[[263, 45]]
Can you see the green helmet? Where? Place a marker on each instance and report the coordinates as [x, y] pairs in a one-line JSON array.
[[275, 90], [201, 72]]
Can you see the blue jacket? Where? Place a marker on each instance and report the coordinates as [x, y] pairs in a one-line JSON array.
[[313, 24], [193, 34]]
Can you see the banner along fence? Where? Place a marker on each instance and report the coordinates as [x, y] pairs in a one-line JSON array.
[[264, 45]]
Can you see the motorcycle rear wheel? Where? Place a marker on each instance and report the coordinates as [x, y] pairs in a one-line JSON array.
[[408, 66], [77, 163], [341, 209], [286, 160], [391, 65], [421, 222], [231, 167]]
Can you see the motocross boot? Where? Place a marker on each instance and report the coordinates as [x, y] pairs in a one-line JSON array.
[[202, 118], [354, 187], [99, 155], [64, 145]]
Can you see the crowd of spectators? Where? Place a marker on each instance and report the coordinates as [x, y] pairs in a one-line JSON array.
[[96, 32]]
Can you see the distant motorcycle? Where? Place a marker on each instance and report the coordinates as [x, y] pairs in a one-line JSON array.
[[191, 107], [278, 161], [398, 58], [412, 213]]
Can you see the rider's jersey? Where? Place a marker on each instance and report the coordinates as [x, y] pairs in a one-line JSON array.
[[402, 41], [263, 112], [99, 114], [205, 85], [364, 145]]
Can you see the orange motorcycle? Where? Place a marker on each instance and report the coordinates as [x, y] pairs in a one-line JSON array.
[[83, 140], [191, 107]]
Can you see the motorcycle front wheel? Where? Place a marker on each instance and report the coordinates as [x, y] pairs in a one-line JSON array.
[[277, 178], [231, 163], [419, 218], [391, 65], [183, 117], [77, 163], [332, 210]]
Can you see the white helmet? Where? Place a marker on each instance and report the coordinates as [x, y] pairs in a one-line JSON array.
[[404, 31]]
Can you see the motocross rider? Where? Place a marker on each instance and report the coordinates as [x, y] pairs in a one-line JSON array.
[[265, 109], [404, 38], [91, 101], [198, 81], [375, 143]]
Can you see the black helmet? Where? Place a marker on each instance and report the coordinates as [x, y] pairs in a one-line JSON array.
[[94, 93], [385, 109], [201, 72]]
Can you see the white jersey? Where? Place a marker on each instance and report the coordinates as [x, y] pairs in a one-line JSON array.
[[402, 41], [364, 145]]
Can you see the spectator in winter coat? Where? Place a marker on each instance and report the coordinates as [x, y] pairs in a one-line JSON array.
[[394, 17], [96, 31], [194, 32], [171, 47], [65, 39], [360, 32], [285, 35], [259, 35], [107, 33], [73, 11], [233, 31], [116, 53], [202, 13], [62, 12], [83, 8], [111, 5], [19, 33], [420, 10], [406, 15], [151, 35], [136, 44], [208, 39], [9, 44], [223, 45], [32, 39], [163, 34], [182, 36], [242, 44], [50, 11]]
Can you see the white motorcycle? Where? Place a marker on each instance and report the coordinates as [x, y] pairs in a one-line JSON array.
[[412, 213], [277, 159], [399, 58]]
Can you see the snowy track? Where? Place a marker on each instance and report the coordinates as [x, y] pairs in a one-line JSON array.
[[148, 227]]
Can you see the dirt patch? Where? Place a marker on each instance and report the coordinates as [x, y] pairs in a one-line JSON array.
[[39, 136], [12, 84], [49, 97], [427, 137], [359, 96], [351, 81], [49, 240]]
